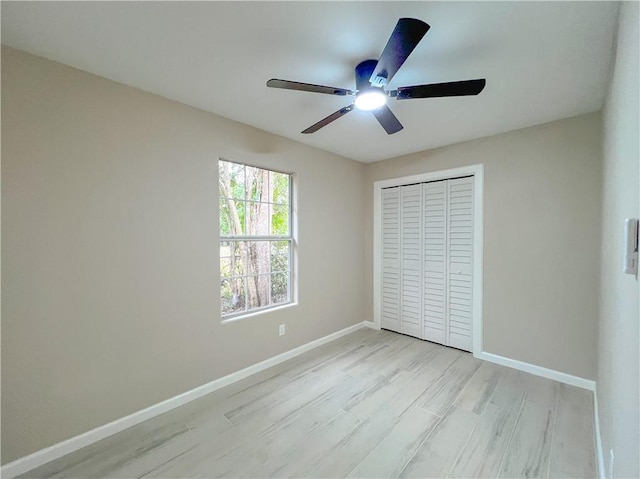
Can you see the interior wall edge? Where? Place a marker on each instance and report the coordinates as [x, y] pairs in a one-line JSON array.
[[536, 370], [618, 368]]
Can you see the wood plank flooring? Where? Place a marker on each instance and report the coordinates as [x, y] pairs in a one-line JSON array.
[[371, 404]]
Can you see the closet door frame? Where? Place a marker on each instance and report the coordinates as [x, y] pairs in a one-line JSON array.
[[477, 171]]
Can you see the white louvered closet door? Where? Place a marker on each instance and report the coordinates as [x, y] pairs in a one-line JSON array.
[[459, 278], [390, 307], [435, 261], [411, 260], [427, 246]]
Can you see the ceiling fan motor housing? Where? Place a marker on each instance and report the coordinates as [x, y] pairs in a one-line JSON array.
[[363, 74]]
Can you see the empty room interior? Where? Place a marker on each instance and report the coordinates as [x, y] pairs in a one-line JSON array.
[[320, 239]]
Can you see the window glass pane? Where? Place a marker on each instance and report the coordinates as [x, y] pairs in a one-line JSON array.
[[225, 249], [231, 216], [239, 258], [258, 257], [279, 187], [257, 219], [280, 220], [231, 180], [257, 184], [232, 259], [232, 295], [258, 291], [279, 262], [225, 267], [279, 247], [279, 288]]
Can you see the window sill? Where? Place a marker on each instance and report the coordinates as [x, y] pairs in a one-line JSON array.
[[259, 312]]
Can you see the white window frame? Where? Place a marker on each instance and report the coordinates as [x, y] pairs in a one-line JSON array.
[[253, 238]]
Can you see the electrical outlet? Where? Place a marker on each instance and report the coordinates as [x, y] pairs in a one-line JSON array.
[[281, 330], [611, 458]]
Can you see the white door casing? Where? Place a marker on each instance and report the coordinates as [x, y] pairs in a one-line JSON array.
[[451, 290]]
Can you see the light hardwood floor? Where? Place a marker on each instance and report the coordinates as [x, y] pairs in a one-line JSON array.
[[371, 404]]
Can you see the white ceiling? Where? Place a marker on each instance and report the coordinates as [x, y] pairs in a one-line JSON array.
[[542, 61]]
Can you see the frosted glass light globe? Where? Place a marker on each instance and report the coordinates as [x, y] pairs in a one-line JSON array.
[[370, 100]]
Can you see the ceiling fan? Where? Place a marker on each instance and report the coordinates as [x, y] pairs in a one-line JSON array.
[[373, 75]]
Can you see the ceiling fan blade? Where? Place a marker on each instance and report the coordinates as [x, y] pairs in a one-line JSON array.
[[294, 85], [387, 119], [404, 38], [325, 121], [454, 88]]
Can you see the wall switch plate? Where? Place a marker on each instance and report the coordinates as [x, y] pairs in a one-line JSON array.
[[630, 246], [281, 330]]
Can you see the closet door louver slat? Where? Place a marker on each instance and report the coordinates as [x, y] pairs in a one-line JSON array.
[[390, 314], [411, 259], [459, 278], [435, 251]]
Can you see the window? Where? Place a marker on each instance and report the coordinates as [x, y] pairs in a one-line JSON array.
[[255, 238]]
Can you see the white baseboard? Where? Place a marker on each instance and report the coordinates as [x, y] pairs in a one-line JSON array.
[[596, 427], [43, 456], [563, 378], [371, 324], [539, 371]]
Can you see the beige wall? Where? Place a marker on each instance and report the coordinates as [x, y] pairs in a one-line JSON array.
[[541, 238], [619, 342], [109, 251]]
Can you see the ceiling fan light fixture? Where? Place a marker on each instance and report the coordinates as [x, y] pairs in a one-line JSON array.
[[371, 99], [372, 76]]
